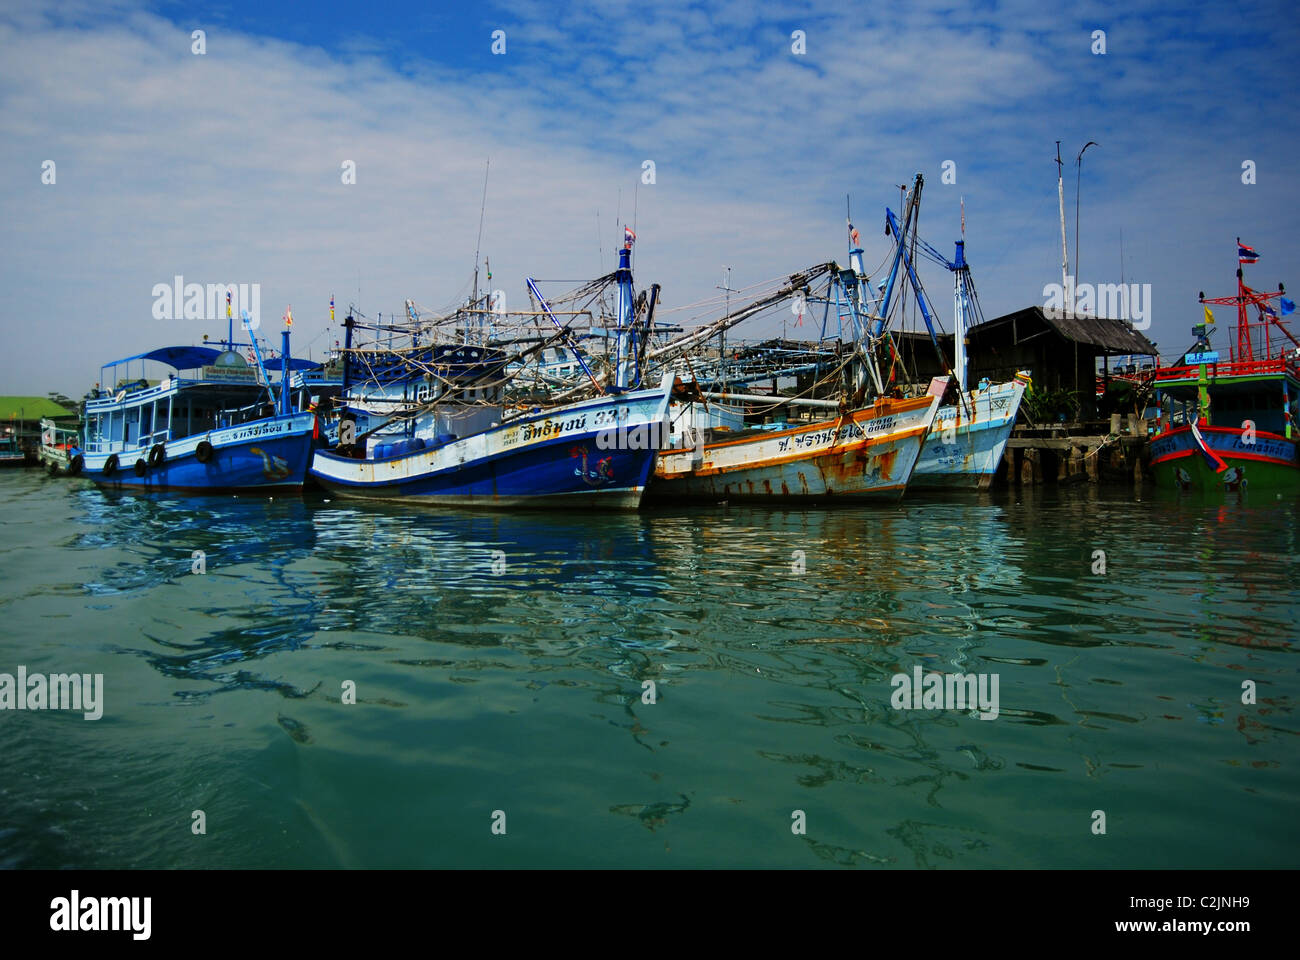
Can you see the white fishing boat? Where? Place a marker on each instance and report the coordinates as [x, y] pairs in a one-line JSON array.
[[60, 451], [969, 436]]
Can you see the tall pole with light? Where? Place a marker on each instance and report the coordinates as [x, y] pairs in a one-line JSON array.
[[1078, 162]]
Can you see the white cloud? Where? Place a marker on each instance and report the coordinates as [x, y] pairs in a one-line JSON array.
[[226, 166]]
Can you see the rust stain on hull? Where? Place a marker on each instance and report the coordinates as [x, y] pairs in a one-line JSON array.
[[886, 461]]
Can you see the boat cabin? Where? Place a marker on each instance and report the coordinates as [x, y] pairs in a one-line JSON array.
[[130, 414]]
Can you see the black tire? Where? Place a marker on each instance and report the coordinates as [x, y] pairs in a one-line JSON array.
[[203, 452], [54, 468], [157, 455], [110, 465], [75, 465], [141, 468]]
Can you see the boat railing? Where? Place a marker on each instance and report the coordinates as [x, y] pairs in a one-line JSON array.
[[158, 436], [1234, 368]]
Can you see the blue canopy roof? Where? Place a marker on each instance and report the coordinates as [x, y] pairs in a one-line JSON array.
[[181, 358]]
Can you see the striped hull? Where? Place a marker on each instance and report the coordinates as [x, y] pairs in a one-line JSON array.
[[866, 455], [1268, 463], [595, 454], [965, 446], [264, 455]]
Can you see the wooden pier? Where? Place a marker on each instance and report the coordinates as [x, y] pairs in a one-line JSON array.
[[1077, 453]]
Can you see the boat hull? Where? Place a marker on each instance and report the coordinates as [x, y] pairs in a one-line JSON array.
[[269, 455], [965, 445], [868, 454], [58, 460], [1267, 463], [595, 454]]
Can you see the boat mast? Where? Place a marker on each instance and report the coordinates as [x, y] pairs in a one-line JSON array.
[[857, 296], [1066, 290], [1244, 299], [478, 245], [959, 311], [624, 347], [284, 372]]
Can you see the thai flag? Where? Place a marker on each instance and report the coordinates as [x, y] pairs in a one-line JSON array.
[[629, 237], [1246, 254], [1269, 311], [1212, 459]]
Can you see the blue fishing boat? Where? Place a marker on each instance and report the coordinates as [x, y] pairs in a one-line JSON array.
[[448, 437], [216, 424], [11, 454]]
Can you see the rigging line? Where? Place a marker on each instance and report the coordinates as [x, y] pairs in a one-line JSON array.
[[478, 244], [775, 283]]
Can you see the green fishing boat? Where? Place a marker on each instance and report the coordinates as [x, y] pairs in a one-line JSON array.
[[1229, 425]]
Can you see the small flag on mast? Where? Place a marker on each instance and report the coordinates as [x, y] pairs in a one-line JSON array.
[[854, 235], [331, 308], [629, 237], [227, 304], [1209, 317], [1246, 254], [288, 316]]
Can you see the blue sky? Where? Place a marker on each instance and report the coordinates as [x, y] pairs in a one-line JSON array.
[[226, 166]]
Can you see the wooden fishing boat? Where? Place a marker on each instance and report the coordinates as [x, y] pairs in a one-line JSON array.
[[1229, 426], [864, 454], [966, 443], [969, 435]]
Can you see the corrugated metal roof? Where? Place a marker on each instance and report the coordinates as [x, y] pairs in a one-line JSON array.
[[1111, 336]]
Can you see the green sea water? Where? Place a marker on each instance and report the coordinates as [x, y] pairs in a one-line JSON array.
[[501, 661]]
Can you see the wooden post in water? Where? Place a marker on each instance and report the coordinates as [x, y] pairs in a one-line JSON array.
[[1026, 467]]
